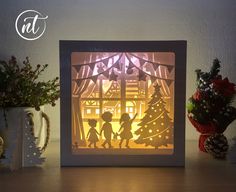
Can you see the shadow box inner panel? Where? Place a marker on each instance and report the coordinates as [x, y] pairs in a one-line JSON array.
[[122, 103]]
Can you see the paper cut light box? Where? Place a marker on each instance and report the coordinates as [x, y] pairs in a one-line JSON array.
[[122, 103]]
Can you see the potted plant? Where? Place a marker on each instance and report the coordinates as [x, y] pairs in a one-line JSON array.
[[210, 110], [21, 95]]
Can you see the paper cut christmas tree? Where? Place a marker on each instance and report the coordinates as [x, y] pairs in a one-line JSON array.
[[156, 127], [32, 153]]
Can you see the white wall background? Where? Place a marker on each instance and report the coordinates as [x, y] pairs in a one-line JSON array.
[[208, 26]]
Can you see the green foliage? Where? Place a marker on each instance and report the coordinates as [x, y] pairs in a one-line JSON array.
[[19, 85]]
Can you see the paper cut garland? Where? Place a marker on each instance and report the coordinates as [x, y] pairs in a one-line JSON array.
[[142, 75], [113, 76], [104, 61]]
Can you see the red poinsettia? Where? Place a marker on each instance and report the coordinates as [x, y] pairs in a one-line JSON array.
[[197, 95], [224, 87]]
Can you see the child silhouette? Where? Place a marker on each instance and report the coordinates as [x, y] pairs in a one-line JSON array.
[[125, 128], [107, 129], [92, 133]]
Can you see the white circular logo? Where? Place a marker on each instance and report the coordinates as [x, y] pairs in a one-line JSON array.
[[30, 24]]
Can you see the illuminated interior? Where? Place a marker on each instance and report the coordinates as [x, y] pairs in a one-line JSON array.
[[122, 102]]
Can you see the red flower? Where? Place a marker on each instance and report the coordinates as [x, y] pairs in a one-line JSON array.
[[197, 95], [224, 87]]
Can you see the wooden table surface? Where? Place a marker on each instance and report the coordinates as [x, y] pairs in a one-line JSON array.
[[202, 173]]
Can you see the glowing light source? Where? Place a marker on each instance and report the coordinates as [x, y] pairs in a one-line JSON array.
[[141, 102]]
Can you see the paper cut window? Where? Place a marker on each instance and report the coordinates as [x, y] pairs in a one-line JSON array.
[[122, 103], [135, 90]]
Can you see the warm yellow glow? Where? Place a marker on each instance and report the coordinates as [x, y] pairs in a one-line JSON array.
[[113, 89]]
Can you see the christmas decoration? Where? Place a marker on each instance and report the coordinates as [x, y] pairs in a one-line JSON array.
[[113, 76], [100, 68], [22, 148], [111, 86], [209, 109], [217, 146], [142, 82], [129, 69], [156, 127], [141, 76], [31, 153], [108, 72]]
